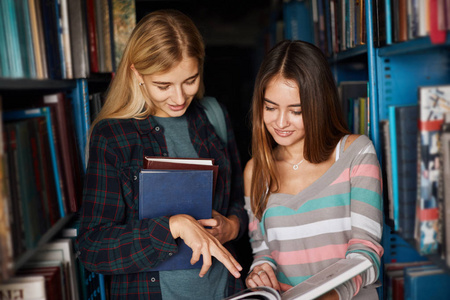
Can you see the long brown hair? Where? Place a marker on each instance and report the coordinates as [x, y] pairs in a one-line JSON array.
[[324, 123], [158, 42]]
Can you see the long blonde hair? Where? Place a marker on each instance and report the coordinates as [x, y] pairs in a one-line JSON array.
[[158, 42], [323, 120]]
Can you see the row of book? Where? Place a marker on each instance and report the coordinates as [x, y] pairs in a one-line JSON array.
[[43, 141], [340, 25], [416, 157], [62, 39], [54, 273], [415, 280], [355, 105]]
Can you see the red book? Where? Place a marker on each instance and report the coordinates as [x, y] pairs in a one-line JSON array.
[[92, 36], [176, 163]]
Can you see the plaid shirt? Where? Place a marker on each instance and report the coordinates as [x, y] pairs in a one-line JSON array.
[[112, 240]]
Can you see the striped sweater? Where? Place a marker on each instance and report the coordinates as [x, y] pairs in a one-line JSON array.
[[338, 216]]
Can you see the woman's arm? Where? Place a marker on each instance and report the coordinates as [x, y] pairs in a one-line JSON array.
[[366, 218]]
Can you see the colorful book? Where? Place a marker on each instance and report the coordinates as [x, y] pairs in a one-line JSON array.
[[25, 38], [172, 192], [124, 20], [434, 102], [12, 43]]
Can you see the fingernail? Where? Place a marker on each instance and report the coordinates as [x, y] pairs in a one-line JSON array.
[[237, 274]]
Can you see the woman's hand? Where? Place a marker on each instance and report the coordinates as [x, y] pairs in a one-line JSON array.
[[262, 275], [202, 243], [222, 228]]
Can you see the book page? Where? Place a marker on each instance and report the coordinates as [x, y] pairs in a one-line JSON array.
[[191, 161], [327, 279]]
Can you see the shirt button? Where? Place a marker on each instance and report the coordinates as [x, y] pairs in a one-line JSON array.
[[170, 254], [134, 177], [157, 128], [153, 279], [164, 154]]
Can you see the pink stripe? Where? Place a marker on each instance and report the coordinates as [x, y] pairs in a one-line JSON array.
[[344, 177], [252, 226], [357, 280], [366, 171], [284, 287], [378, 249], [310, 255]]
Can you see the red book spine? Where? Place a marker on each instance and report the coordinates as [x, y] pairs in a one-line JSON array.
[[92, 35]]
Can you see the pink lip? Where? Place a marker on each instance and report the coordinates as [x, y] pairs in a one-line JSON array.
[[177, 107], [283, 133]]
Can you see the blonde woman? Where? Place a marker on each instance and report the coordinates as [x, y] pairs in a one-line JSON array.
[[313, 191], [152, 109]]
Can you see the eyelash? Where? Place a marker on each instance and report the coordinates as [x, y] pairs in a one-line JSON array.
[[267, 108], [165, 88]]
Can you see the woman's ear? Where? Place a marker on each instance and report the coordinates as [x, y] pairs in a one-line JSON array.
[[136, 73]]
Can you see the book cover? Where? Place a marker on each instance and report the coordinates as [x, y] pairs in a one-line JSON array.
[[172, 163], [327, 279], [434, 102], [389, 22], [427, 284], [172, 192], [92, 36], [406, 133], [65, 38]]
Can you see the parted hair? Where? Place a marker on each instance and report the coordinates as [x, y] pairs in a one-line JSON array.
[[304, 64], [159, 41]]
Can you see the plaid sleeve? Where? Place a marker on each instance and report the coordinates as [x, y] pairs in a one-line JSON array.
[[237, 183], [109, 240]]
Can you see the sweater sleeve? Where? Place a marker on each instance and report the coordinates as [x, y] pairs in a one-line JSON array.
[[111, 239], [366, 218], [261, 252]]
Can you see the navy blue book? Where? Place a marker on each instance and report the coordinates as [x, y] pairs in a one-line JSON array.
[[406, 131], [172, 192]]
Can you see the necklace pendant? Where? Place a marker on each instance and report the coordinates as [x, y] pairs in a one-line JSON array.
[[295, 167]]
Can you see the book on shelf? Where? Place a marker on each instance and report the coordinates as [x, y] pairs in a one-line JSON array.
[[403, 156], [124, 21], [23, 287], [444, 189], [387, 172], [11, 59], [37, 33], [434, 102], [61, 250], [23, 114], [311, 288], [170, 192], [54, 279], [349, 90], [78, 39], [426, 284]]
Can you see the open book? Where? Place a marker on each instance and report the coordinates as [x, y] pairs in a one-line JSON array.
[[324, 281]]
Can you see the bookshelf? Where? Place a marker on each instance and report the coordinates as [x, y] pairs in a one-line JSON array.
[[49, 62], [394, 61]]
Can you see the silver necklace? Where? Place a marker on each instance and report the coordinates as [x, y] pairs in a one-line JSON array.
[[295, 167]]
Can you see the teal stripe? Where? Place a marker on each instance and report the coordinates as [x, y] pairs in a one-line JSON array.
[[367, 196], [372, 255], [312, 205], [291, 280]]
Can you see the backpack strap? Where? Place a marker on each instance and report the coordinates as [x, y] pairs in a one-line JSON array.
[[215, 116]]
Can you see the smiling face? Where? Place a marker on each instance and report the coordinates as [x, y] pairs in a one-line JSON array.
[[282, 111], [172, 91]]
